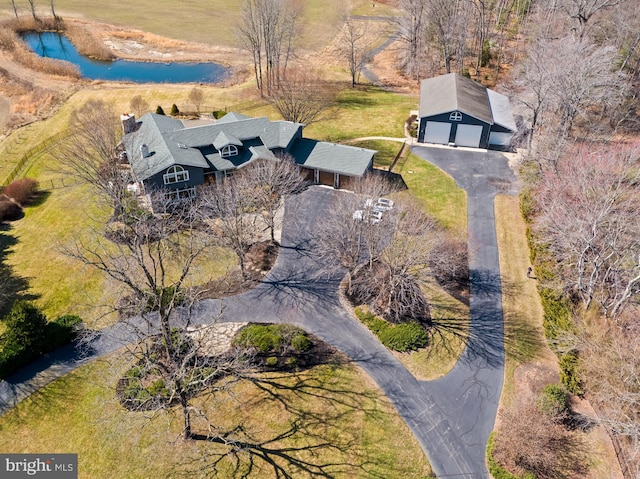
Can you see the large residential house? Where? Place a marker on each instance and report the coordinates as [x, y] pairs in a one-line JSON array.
[[455, 110], [166, 154]]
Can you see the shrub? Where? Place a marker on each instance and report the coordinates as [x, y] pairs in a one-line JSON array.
[[404, 337], [273, 338], [21, 190], [159, 110], [10, 211], [400, 337], [554, 401], [217, 114], [271, 361], [174, 110], [62, 331], [569, 373], [301, 343], [24, 339]]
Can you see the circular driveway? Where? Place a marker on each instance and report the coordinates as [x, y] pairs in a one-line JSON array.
[[451, 417]]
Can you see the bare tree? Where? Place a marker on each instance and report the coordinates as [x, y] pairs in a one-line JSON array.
[[537, 82], [411, 27], [354, 47], [387, 260], [233, 207], [610, 367], [583, 10], [448, 23], [196, 97], [89, 152], [15, 8], [267, 30], [274, 179], [139, 105], [301, 97], [531, 442], [584, 210], [53, 11], [32, 7]]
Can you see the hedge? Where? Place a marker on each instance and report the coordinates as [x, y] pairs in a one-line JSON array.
[[29, 336], [398, 337], [273, 338], [556, 306]]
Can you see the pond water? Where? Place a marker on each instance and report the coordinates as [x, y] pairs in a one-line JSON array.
[[56, 45]]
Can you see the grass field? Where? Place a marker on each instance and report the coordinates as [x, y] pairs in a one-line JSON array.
[[341, 408], [524, 334], [438, 193], [207, 22]]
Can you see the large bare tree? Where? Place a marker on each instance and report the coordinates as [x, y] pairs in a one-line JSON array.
[[411, 29], [267, 31], [302, 96], [274, 179], [354, 47], [584, 210]]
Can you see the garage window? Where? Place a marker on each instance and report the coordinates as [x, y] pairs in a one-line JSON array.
[[455, 116]]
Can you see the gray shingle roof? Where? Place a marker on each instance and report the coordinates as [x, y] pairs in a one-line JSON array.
[[501, 110], [452, 92], [347, 160], [162, 154], [169, 143]]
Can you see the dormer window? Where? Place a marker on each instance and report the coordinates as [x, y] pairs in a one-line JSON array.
[[455, 116], [229, 150], [175, 174]]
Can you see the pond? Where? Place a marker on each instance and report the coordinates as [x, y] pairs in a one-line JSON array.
[[56, 45]]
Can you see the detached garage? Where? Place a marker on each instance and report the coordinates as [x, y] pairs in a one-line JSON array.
[[456, 110]]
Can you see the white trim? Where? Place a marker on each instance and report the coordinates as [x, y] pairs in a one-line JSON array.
[[182, 194], [175, 174], [229, 150], [455, 116]]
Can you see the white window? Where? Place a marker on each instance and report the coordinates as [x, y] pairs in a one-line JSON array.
[[175, 174], [229, 150], [183, 194], [455, 116]]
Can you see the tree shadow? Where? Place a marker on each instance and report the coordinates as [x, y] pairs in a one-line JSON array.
[[485, 336], [39, 198], [13, 286], [311, 442]]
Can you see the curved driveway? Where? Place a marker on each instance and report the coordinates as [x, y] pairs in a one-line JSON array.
[[451, 417]]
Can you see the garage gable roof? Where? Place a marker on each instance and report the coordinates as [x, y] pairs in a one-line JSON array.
[[501, 110], [453, 92]]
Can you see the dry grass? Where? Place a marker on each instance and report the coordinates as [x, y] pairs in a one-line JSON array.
[[448, 337], [338, 405], [87, 42], [524, 334]]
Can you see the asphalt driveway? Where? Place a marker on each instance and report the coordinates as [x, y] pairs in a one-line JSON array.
[[451, 417]]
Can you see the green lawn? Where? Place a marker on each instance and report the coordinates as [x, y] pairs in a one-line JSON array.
[[79, 413], [387, 151], [438, 193], [365, 111]]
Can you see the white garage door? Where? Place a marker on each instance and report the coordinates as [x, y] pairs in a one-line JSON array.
[[437, 132], [468, 135], [497, 138]]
